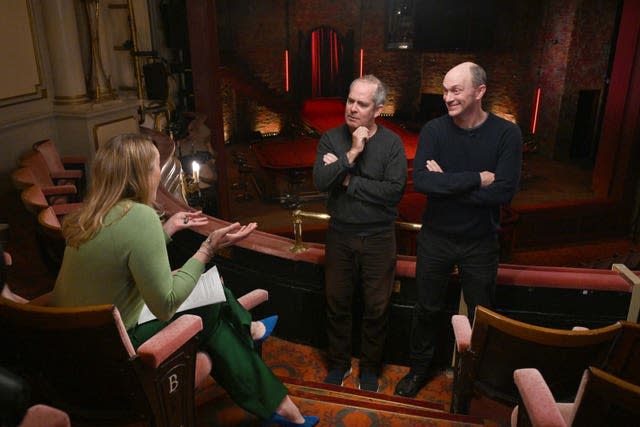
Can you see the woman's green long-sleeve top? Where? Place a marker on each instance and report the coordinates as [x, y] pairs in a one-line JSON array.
[[126, 264]]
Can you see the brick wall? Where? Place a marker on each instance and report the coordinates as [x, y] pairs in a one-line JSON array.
[[551, 45]]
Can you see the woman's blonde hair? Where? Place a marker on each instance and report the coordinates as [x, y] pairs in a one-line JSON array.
[[121, 170]]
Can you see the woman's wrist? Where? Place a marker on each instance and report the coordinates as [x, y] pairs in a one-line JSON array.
[[206, 249], [206, 254]]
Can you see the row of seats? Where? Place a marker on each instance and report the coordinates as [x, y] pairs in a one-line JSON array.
[[50, 186], [48, 168], [108, 381], [499, 358]]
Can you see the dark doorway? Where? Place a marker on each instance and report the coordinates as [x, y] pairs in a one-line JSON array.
[[328, 63], [586, 128]]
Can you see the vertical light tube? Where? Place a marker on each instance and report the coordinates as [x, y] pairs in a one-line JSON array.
[[536, 110], [286, 70], [361, 62]]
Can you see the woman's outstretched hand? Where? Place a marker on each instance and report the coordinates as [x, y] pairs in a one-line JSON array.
[[181, 220], [229, 235]]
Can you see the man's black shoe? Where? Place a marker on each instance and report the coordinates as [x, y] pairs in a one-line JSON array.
[[411, 384]]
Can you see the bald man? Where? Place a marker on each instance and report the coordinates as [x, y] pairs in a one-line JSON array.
[[468, 164]]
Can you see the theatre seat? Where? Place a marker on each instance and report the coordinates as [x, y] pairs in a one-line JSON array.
[[487, 355], [623, 360], [50, 237], [35, 199], [601, 400], [44, 177], [59, 164], [47, 218], [82, 361], [22, 178], [69, 168]]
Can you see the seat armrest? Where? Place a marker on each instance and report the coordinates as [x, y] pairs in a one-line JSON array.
[[65, 208], [59, 190], [253, 298], [42, 300], [163, 344], [43, 415], [67, 174], [537, 399], [8, 294], [461, 332], [73, 160]]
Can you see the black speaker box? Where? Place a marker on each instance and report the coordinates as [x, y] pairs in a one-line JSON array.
[[155, 81]]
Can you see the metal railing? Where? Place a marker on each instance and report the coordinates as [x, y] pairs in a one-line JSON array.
[[298, 214], [633, 312]]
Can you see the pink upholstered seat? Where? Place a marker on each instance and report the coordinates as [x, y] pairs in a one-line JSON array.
[[82, 361], [59, 164], [489, 352], [67, 169], [43, 415], [35, 198], [601, 400], [40, 170]]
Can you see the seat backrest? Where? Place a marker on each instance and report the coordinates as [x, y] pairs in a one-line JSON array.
[[50, 239], [77, 359], [623, 360], [49, 223], [606, 400], [50, 154], [33, 199], [500, 345], [22, 178], [36, 162]]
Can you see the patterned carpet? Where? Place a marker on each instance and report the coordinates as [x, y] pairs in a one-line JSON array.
[[302, 369]]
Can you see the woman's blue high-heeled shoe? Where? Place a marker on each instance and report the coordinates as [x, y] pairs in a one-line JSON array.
[[269, 324], [309, 421]]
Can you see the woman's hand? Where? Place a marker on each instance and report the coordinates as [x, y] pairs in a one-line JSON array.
[[229, 235], [181, 220], [222, 237]]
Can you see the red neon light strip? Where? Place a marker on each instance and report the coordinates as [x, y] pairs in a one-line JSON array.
[[286, 70], [361, 62], [536, 110], [314, 64]]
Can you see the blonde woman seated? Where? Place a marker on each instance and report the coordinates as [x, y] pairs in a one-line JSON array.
[[116, 254]]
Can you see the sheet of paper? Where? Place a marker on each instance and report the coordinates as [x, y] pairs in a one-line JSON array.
[[208, 290]]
